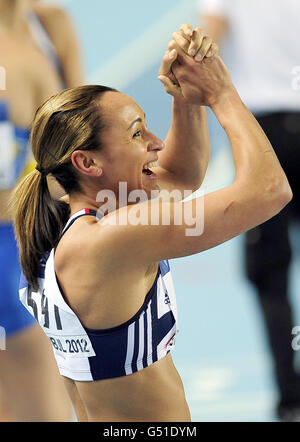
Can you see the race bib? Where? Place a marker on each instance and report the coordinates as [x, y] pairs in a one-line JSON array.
[[66, 333]]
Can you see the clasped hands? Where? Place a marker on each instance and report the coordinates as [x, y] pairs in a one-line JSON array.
[[191, 69]]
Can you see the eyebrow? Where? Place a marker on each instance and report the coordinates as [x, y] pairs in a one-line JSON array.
[[137, 120]]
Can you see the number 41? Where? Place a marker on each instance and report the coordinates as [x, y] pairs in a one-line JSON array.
[[44, 309]]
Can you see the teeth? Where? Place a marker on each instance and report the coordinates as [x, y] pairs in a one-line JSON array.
[[152, 164]]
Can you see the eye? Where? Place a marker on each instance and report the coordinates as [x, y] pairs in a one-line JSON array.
[[137, 134]]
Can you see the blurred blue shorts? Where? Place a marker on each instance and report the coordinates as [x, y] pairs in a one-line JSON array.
[[13, 315]]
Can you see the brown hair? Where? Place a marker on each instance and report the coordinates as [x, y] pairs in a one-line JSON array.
[[68, 121]]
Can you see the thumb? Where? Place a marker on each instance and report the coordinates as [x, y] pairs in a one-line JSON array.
[[170, 87]]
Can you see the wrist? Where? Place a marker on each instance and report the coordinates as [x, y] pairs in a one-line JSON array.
[[182, 106], [226, 104], [227, 96]]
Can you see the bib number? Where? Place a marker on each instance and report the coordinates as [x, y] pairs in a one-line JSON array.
[[74, 341]]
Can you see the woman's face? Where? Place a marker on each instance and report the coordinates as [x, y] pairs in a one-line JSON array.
[[128, 145]]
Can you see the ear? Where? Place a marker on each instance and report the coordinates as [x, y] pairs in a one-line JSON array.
[[83, 161]]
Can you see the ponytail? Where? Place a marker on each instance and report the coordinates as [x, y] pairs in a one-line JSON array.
[[39, 220], [68, 121]]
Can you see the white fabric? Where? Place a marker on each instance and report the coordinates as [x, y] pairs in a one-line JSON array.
[[264, 46], [8, 150], [69, 341]]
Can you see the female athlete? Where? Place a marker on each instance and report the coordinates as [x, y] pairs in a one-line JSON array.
[[96, 272]]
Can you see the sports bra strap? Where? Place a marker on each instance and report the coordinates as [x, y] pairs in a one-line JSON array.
[[80, 213]]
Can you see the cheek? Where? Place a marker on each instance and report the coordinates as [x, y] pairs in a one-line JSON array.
[[134, 155]]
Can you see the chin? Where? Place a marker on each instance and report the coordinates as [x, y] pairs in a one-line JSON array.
[[153, 191]]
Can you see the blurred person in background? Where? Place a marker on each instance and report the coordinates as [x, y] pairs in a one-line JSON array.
[[264, 47], [54, 33], [39, 51]]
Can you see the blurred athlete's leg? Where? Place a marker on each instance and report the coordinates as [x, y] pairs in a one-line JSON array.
[[31, 386], [268, 257], [5, 414]]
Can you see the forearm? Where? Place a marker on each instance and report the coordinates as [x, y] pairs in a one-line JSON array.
[[255, 160], [186, 153]]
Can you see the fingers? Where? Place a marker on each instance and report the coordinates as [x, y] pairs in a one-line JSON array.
[[186, 30], [182, 41], [214, 49], [172, 45], [196, 42], [204, 48], [166, 75], [170, 87], [193, 43], [167, 61]]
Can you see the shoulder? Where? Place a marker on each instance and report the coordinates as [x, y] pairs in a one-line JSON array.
[[87, 240], [102, 242]]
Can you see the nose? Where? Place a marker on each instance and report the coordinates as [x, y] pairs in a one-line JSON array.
[[155, 143]]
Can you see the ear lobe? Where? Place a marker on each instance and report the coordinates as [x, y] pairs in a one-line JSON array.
[[84, 164]]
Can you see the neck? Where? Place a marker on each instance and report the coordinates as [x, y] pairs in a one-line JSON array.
[[78, 202], [12, 12], [108, 202]]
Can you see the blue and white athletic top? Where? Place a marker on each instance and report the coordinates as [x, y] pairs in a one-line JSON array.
[[83, 354]]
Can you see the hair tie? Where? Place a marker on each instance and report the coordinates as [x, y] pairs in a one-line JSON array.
[[41, 170]]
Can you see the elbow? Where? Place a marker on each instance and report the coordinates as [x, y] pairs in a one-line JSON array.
[[284, 196], [278, 195], [192, 184]]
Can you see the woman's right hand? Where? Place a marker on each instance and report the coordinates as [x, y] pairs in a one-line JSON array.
[[204, 83], [200, 80]]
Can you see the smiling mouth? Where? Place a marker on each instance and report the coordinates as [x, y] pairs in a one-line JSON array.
[[146, 168]]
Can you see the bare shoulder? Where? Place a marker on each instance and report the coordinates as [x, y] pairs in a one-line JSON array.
[[100, 246], [87, 240]]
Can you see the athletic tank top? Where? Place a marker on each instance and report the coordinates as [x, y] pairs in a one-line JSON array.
[[84, 354]]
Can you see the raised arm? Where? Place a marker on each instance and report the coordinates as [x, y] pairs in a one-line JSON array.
[[260, 189], [184, 160]]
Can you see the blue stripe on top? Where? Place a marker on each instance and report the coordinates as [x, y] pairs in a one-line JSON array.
[[111, 344], [126, 348]]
